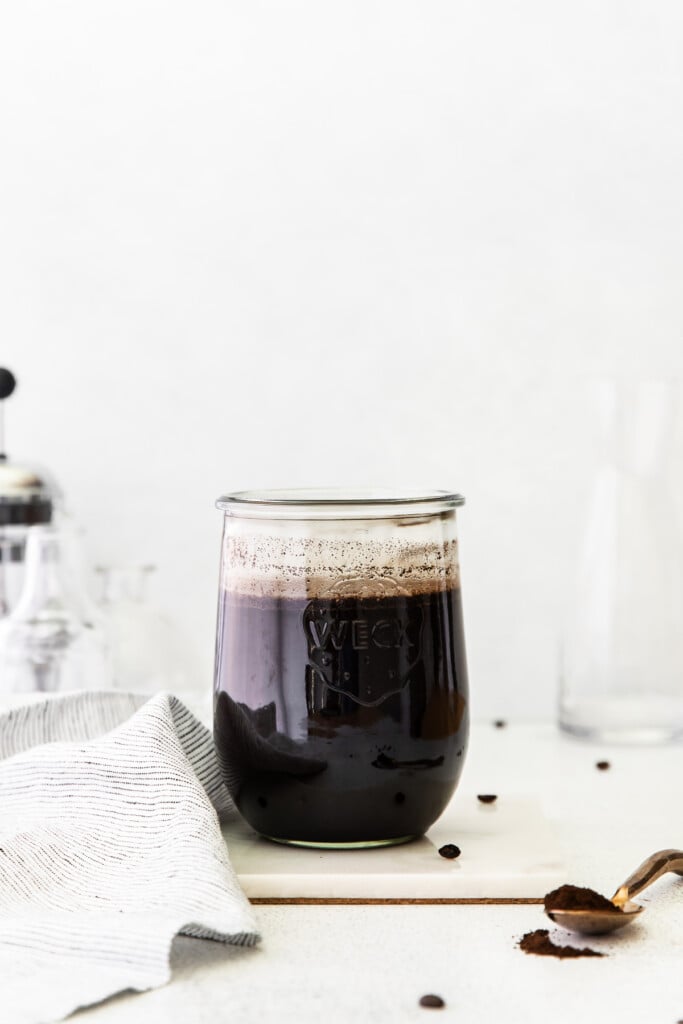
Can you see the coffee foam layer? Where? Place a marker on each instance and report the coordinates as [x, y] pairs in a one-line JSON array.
[[322, 567]]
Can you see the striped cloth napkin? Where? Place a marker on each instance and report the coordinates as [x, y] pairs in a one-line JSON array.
[[110, 845]]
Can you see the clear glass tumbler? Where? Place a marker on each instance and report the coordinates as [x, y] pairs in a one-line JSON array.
[[148, 651], [340, 701], [622, 653]]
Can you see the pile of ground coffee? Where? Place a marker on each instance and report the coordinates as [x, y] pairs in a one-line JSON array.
[[573, 897], [540, 943]]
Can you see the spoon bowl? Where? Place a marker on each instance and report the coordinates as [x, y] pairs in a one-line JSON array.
[[599, 922], [595, 922]]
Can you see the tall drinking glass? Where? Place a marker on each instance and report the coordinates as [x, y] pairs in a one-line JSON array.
[[340, 702]]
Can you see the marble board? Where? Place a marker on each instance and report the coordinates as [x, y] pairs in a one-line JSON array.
[[509, 850]]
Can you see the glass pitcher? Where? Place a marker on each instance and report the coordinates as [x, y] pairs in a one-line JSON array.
[[340, 700], [622, 653]]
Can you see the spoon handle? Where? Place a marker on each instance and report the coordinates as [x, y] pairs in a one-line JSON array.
[[649, 871]]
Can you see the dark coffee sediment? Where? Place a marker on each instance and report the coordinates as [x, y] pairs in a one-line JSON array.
[[341, 718]]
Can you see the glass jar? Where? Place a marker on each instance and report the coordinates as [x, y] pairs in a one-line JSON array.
[[340, 699]]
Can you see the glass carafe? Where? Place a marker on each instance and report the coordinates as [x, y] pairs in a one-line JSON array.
[[622, 652], [341, 701]]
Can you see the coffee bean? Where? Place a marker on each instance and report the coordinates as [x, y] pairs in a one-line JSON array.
[[500, 723], [487, 798], [434, 1002], [450, 851], [602, 766]]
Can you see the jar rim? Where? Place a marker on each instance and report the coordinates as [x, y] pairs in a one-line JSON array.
[[338, 502]]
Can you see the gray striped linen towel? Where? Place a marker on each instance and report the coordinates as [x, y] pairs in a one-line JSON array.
[[110, 845]]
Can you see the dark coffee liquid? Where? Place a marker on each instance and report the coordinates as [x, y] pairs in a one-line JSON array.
[[341, 719]]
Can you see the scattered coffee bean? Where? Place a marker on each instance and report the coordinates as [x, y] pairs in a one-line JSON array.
[[435, 1002], [487, 798], [450, 851], [500, 723], [602, 766]]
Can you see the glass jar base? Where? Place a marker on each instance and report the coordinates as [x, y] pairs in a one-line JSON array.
[[366, 844]]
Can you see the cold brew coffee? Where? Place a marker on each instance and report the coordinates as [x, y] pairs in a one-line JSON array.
[[341, 713]]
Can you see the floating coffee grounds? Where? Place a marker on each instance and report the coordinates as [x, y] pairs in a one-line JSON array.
[[450, 851], [573, 897], [391, 764], [540, 944], [487, 798], [602, 766], [434, 1002]]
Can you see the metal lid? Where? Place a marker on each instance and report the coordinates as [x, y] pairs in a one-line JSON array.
[[27, 494]]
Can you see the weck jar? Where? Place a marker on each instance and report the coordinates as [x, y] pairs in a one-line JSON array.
[[341, 698]]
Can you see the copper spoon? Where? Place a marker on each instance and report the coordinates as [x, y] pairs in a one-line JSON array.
[[597, 922]]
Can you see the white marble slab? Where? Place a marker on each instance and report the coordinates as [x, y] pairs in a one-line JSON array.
[[509, 850]]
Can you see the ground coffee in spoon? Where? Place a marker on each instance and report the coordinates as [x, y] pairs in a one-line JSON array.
[[573, 897]]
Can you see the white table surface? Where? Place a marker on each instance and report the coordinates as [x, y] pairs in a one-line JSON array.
[[357, 963]]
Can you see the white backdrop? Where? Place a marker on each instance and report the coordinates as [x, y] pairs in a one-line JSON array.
[[277, 243]]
